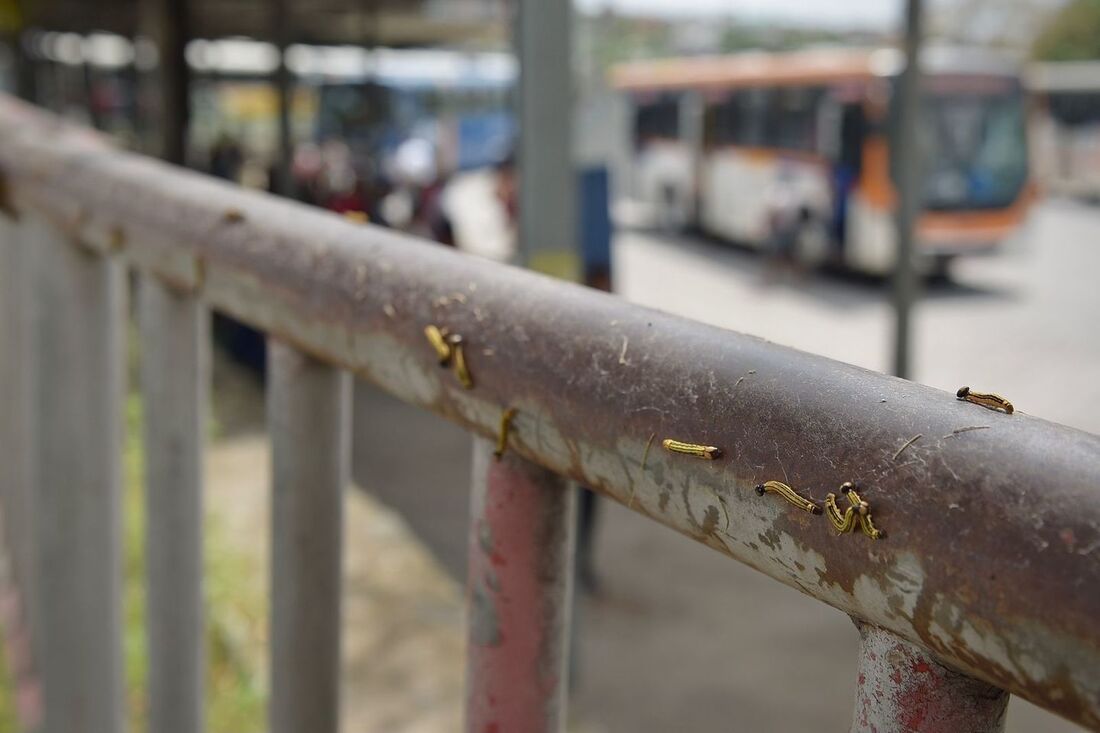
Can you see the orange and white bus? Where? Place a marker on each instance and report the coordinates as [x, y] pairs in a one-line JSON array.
[[718, 140]]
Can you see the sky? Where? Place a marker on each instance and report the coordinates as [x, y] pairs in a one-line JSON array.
[[871, 14]]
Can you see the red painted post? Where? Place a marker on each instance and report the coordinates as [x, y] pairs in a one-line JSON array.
[[519, 595], [903, 688]]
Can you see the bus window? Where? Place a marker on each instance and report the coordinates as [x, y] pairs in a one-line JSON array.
[[737, 119], [792, 119], [719, 122], [353, 112], [657, 119], [752, 118], [1074, 108], [974, 150]]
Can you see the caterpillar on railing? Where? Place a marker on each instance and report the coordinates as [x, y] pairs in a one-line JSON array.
[[502, 434], [709, 452], [780, 488], [985, 399], [858, 513], [461, 370], [448, 349], [437, 337]]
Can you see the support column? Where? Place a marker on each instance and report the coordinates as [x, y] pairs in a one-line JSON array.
[[284, 89], [547, 179], [910, 190], [167, 87]]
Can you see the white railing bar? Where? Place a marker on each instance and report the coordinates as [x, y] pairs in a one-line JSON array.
[[174, 337], [309, 417], [81, 331]]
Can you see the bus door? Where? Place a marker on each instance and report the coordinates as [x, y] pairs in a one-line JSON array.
[[847, 168], [842, 129]]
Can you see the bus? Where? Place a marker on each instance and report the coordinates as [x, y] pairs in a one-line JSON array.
[[458, 101], [717, 141], [373, 100], [1066, 126]]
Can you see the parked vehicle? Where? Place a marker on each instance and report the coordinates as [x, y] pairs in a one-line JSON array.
[[1067, 126], [717, 141]]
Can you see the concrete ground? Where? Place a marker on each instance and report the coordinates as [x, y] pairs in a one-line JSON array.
[[403, 631], [683, 639]]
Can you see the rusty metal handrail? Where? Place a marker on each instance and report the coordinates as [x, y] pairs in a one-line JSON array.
[[992, 534]]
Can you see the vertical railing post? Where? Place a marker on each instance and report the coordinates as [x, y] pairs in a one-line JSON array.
[[81, 336], [16, 385], [519, 592], [174, 338], [309, 406], [902, 687], [17, 443]]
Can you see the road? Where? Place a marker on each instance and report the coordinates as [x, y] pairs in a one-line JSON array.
[[680, 638]]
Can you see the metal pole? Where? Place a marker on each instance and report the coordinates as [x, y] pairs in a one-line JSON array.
[[88, 82], [547, 186], [17, 419], [26, 77], [520, 587], [167, 23], [78, 524], [309, 406], [548, 242], [174, 337], [909, 190], [284, 90], [901, 687]]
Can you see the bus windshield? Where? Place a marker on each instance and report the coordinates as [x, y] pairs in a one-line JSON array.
[[361, 114], [373, 119], [973, 148]]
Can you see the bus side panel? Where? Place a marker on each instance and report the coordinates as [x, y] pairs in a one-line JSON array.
[[871, 234], [664, 173], [739, 186], [871, 244]]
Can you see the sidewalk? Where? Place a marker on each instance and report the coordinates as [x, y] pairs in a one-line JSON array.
[[403, 631]]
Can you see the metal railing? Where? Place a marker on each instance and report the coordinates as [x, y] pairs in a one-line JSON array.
[[984, 582]]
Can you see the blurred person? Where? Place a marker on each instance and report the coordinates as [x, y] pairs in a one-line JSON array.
[[507, 189], [305, 172], [226, 158], [417, 203]]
